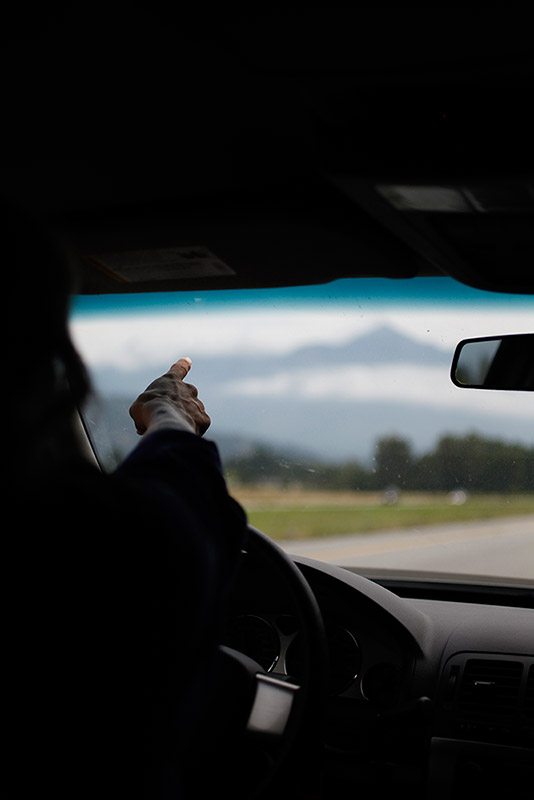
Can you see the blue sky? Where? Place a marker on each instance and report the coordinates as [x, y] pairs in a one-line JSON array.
[[123, 330], [443, 291]]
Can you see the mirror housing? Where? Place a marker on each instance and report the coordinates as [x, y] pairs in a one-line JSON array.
[[495, 362]]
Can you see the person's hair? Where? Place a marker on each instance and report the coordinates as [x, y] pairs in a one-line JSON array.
[[48, 379]]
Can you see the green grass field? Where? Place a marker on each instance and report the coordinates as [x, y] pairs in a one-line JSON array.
[[295, 514]]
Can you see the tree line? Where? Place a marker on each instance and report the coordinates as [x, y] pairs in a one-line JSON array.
[[471, 462]]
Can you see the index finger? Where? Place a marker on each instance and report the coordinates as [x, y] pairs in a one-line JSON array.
[[181, 367]]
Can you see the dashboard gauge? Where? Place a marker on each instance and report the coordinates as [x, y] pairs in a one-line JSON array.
[[381, 684], [344, 658], [256, 638]]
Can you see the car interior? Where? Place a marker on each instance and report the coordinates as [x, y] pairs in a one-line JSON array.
[[175, 151]]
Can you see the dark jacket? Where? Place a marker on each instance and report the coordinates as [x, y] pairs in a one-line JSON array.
[[116, 588]]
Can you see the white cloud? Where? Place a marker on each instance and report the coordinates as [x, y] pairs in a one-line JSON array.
[[131, 340], [409, 383]]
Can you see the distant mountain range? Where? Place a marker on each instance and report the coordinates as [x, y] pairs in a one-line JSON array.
[[327, 427], [381, 345]]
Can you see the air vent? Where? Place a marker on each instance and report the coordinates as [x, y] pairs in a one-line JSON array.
[[490, 687], [488, 698]]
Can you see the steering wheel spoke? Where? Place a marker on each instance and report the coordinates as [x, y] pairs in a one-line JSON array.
[[272, 706]]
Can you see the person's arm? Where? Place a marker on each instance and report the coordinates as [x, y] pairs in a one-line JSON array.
[[178, 474], [187, 534], [173, 461]]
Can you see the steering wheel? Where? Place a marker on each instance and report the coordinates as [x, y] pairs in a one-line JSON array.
[[262, 724]]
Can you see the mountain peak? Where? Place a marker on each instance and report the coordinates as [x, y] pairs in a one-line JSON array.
[[379, 345]]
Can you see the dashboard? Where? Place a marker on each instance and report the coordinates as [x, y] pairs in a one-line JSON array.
[[434, 693]]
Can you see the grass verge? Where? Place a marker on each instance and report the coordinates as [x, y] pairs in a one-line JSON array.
[[298, 514]]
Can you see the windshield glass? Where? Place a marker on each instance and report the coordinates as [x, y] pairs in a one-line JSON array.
[[339, 428]]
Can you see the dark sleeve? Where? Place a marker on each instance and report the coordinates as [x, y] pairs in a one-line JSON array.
[[181, 475], [115, 589], [188, 534]]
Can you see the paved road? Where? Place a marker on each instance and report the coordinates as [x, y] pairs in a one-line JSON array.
[[503, 547]]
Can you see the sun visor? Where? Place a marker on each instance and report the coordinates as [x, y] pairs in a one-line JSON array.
[[161, 264]]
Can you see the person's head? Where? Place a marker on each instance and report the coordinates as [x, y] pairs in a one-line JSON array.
[[46, 377]]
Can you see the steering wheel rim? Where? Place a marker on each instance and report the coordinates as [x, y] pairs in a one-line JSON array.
[[315, 668], [276, 754]]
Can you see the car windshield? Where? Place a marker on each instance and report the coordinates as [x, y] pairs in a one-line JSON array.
[[339, 428]]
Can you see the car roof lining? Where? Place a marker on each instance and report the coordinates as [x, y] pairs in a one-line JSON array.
[[324, 230], [298, 146]]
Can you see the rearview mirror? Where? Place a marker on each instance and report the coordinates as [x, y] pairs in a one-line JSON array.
[[495, 362]]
